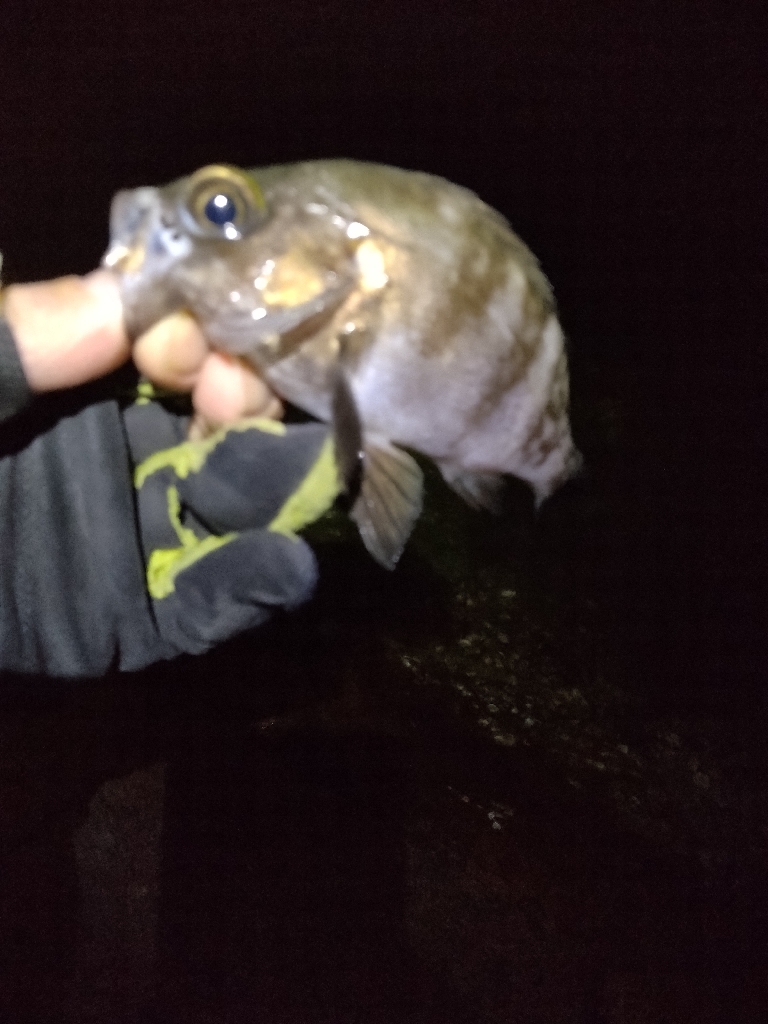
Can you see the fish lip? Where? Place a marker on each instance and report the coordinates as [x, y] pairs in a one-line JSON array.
[[124, 259], [114, 256]]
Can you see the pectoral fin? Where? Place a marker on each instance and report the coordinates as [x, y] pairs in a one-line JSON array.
[[347, 435], [383, 484], [389, 502]]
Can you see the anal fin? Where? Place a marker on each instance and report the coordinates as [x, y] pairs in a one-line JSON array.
[[479, 490], [389, 502]]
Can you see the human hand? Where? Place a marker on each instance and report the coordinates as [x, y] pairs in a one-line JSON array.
[[123, 543], [70, 330], [218, 520]]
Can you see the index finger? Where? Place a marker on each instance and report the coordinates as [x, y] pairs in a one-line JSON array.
[[175, 354]]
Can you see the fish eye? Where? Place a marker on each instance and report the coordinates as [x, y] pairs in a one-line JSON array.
[[221, 202], [220, 209]]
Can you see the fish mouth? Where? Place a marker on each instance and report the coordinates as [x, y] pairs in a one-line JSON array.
[[124, 259], [129, 219]]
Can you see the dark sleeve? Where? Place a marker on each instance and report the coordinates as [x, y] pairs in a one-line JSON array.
[[14, 392], [73, 599]]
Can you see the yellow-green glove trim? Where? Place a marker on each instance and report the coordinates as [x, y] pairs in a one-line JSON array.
[[164, 564], [313, 497], [189, 457], [146, 392]]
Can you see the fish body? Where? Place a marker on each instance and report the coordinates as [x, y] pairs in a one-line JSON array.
[[393, 294]]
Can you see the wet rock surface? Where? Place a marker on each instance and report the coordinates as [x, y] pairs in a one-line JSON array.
[[465, 791]]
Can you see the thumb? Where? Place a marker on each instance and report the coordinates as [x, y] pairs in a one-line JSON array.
[[67, 331]]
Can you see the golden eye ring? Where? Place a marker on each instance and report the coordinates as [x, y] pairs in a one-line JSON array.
[[221, 202]]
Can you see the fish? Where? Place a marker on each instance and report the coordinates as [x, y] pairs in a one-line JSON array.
[[393, 304]]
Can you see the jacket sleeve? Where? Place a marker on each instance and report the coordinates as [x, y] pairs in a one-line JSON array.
[[14, 391], [73, 598], [67, 533]]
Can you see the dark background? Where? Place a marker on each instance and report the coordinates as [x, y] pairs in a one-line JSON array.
[[626, 143]]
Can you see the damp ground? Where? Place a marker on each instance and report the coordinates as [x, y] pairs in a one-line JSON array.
[[516, 780]]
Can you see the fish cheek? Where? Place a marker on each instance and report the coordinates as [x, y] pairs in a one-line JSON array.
[[294, 280]]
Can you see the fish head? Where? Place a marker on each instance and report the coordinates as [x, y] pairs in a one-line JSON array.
[[156, 233], [250, 271]]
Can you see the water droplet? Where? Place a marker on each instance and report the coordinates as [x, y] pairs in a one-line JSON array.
[[357, 230]]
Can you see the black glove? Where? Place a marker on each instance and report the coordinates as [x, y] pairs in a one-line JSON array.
[[96, 574], [218, 520]]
